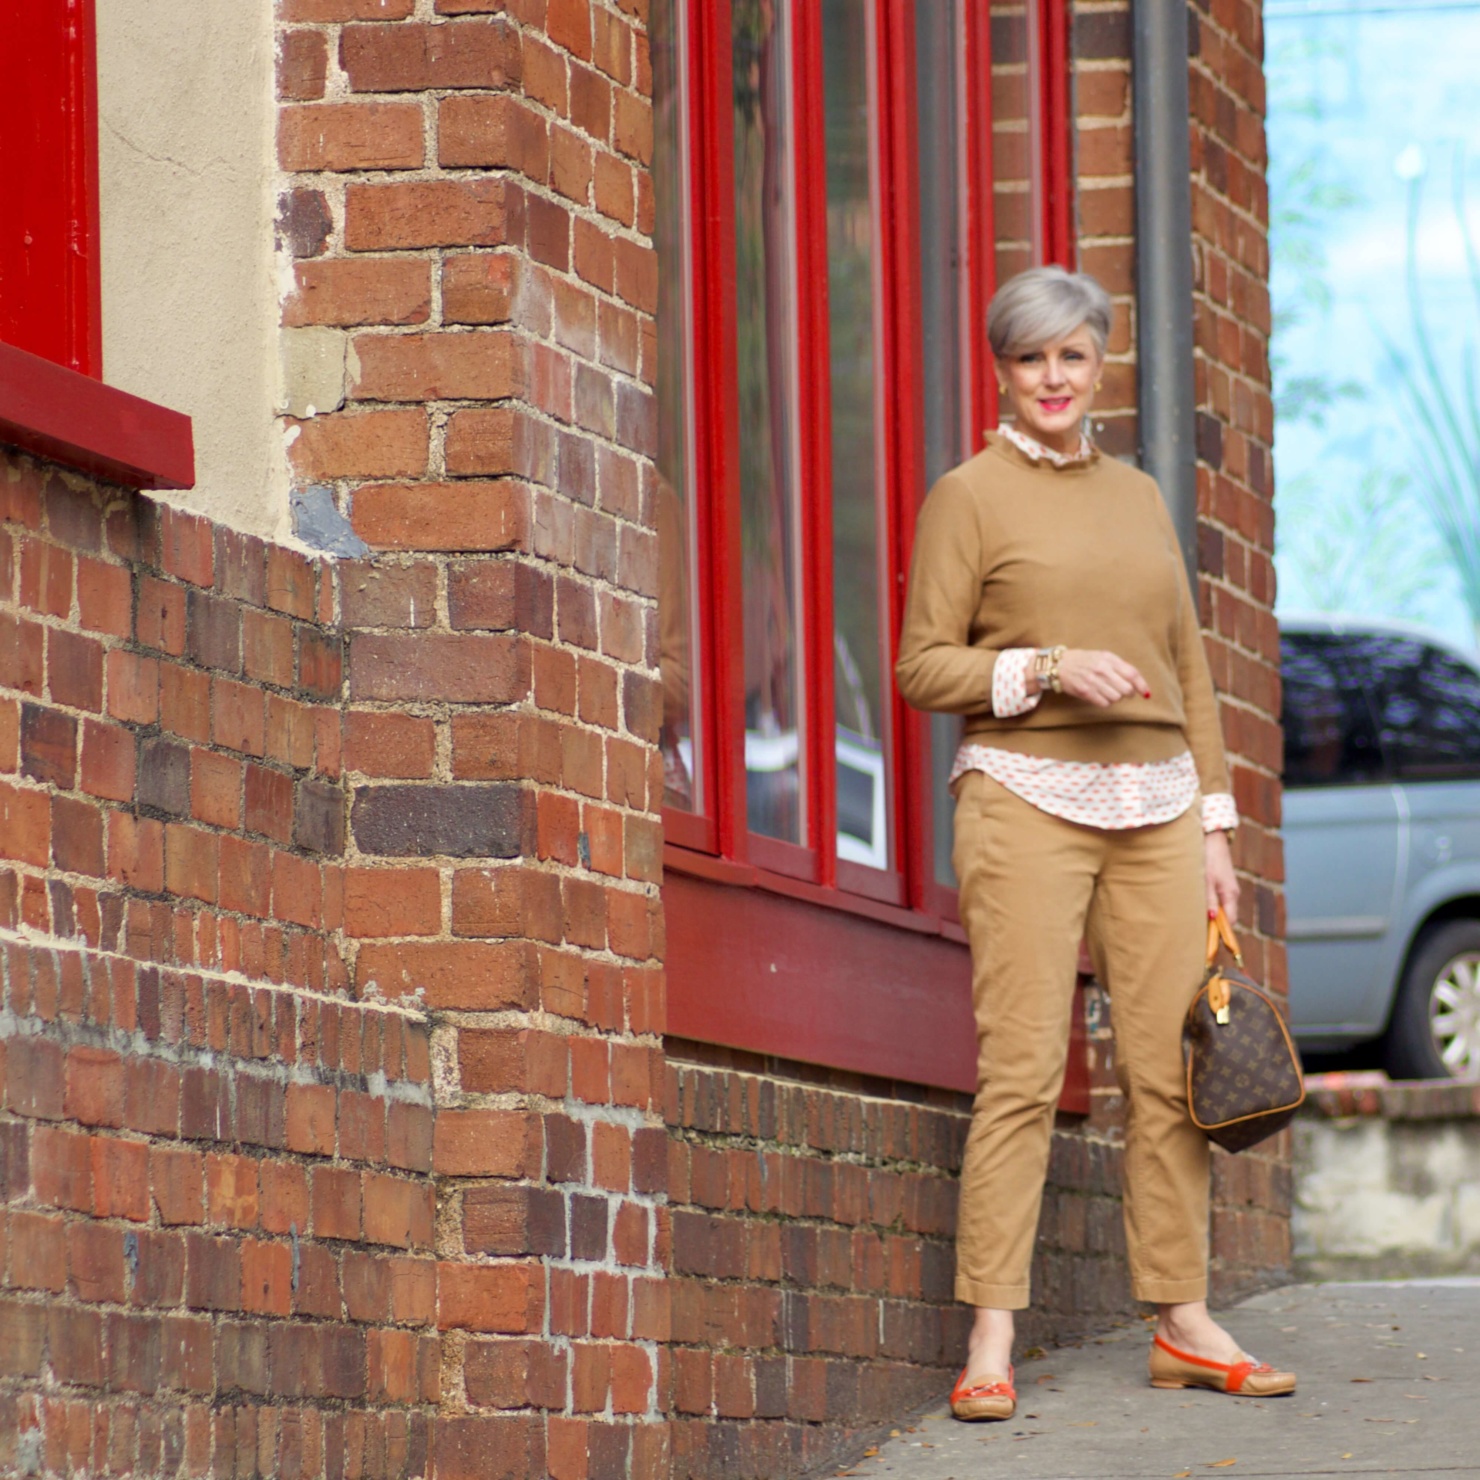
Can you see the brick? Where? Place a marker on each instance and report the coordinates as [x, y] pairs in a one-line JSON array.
[[22, 654], [397, 1211], [344, 10], [350, 136], [95, 1264], [481, 54], [348, 292], [479, 289], [507, 902], [25, 824], [94, 1086], [191, 862], [510, 1220], [442, 516], [311, 1119], [74, 666], [267, 1277], [433, 213], [216, 789], [493, 1143], [213, 1273], [503, 1298], [48, 745], [459, 821], [35, 1077], [120, 1172], [136, 851], [375, 444], [477, 364], [302, 65], [336, 1203], [471, 975], [392, 902], [232, 1196], [107, 761], [493, 132], [455, 668], [389, 745], [38, 1252], [61, 1169]]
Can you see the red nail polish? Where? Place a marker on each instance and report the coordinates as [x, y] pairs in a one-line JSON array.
[[1212, 914], [1146, 694]]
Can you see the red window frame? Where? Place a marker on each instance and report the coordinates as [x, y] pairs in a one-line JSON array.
[[50, 278], [713, 928]]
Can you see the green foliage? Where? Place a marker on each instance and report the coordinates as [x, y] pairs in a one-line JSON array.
[[1356, 548], [1440, 394]]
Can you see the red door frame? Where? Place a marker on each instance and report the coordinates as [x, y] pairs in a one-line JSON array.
[[50, 280]]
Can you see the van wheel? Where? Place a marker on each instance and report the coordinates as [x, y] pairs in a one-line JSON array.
[[1435, 1027]]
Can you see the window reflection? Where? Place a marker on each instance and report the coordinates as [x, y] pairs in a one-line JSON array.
[[764, 277], [939, 75], [679, 739], [852, 172], [1017, 163]]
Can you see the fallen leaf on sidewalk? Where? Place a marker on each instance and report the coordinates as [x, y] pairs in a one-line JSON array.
[[869, 1453], [1347, 1455], [1045, 1377], [1361, 1379], [1182, 1475], [1368, 1418], [1222, 1464]]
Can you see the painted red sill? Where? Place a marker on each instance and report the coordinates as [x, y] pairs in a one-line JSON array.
[[81, 423]]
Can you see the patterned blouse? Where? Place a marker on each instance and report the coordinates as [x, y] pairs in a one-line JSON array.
[[1109, 796]]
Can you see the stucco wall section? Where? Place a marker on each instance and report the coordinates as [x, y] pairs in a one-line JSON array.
[[185, 91]]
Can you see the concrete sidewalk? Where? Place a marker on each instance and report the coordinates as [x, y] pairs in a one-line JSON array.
[[1389, 1385]]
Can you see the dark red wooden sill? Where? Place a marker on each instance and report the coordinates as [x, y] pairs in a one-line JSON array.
[[81, 423]]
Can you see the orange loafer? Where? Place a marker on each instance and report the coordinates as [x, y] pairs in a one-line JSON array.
[[1247, 1377], [983, 1398]]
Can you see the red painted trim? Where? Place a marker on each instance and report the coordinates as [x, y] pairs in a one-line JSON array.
[[981, 229], [814, 429], [50, 288], [690, 830], [756, 971], [1058, 140], [75, 420], [716, 419]]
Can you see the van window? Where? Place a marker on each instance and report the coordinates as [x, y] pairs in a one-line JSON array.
[[1428, 707], [1330, 738]]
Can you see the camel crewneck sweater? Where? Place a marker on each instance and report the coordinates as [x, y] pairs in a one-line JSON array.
[[1013, 553]]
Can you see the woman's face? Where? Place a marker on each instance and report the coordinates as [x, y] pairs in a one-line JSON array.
[[1050, 390]]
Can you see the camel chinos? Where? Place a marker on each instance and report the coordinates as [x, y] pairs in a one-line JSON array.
[[1031, 887]]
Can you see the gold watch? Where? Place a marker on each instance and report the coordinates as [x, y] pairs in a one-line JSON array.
[[1046, 667]]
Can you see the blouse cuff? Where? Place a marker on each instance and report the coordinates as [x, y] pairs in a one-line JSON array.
[[1010, 694], [1219, 812]]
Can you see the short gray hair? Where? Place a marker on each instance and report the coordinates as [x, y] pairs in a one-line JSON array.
[[1043, 304]]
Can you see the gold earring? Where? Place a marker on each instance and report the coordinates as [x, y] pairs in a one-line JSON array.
[[1001, 390], [1099, 385]]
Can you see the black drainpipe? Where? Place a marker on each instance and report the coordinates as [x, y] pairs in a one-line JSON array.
[[1166, 394]]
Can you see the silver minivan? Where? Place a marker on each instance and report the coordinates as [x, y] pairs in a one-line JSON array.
[[1382, 844]]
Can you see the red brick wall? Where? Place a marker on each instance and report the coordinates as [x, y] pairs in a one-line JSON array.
[[466, 195], [216, 1209]]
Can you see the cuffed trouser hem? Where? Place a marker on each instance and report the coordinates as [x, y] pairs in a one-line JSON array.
[[1169, 1292], [998, 1297]]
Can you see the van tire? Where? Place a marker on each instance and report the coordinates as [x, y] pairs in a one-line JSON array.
[[1409, 1050]]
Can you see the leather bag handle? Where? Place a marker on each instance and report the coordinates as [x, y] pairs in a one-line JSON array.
[[1221, 932]]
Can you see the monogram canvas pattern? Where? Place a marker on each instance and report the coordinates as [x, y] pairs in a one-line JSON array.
[[1244, 1081]]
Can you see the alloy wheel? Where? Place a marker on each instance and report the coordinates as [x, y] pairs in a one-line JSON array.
[[1454, 1015]]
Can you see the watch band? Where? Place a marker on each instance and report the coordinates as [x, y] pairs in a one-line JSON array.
[[1046, 667]]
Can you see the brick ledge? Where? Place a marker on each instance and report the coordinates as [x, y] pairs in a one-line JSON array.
[[1370, 1094]]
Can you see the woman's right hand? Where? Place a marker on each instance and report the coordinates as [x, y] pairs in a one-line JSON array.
[[1100, 678]]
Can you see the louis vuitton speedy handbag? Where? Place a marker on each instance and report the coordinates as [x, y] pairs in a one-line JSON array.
[[1244, 1080]]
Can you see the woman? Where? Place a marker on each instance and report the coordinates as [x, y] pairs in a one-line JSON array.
[[1048, 604]]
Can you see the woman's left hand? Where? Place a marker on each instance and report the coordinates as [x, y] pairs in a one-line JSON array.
[[1222, 881]]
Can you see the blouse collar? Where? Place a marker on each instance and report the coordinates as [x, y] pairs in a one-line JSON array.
[[1031, 448]]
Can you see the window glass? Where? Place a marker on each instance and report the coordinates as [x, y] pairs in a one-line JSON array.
[[1428, 704], [1017, 152], [680, 735], [1330, 738], [765, 375], [853, 337], [939, 76]]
